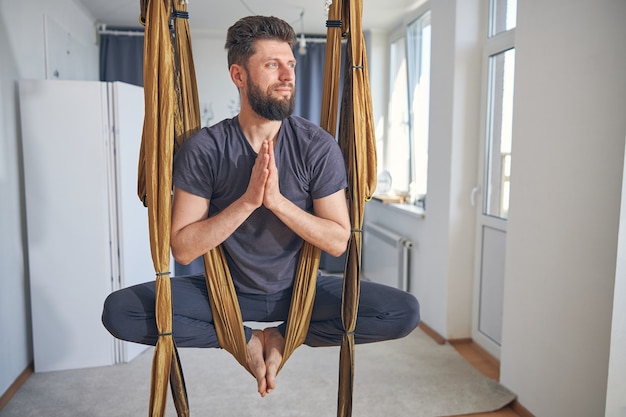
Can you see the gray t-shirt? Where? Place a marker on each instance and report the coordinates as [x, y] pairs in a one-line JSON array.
[[216, 164]]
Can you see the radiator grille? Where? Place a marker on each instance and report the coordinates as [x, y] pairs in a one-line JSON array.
[[386, 256]]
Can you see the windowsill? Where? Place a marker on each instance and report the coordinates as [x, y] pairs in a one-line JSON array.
[[396, 204]]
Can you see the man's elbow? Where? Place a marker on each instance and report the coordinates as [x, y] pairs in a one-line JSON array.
[[183, 257], [336, 253], [339, 247]]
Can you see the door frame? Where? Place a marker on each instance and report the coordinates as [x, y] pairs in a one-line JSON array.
[[494, 45]]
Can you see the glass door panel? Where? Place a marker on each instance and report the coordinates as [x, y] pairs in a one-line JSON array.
[[499, 134]]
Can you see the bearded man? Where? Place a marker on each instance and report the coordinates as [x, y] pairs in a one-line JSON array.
[[260, 184]]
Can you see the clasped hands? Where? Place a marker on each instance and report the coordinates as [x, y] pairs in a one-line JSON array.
[[263, 188]]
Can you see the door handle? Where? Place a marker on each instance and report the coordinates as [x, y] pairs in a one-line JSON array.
[[475, 191]]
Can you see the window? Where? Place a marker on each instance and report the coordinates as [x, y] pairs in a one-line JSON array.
[[419, 99], [397, 155], [406, 148], [501, 75], [499, 132], [502, 16]]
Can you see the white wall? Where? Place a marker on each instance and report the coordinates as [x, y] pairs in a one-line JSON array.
[[452, 154], [568, 142], [215, 88], [22, 40], [443, 255]]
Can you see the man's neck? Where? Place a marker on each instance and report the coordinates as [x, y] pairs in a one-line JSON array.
[[258, 129]]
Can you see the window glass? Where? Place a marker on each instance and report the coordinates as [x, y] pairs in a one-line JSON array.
[[406, 148], [499, 133], [502, 16], [397, 150], [418, 36]]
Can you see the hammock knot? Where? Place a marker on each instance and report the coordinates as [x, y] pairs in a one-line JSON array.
[[180, 14], [164, 334], [162, 274], [356, 230], [333, 23]]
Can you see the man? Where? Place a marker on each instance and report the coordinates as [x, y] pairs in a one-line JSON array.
[[260, 184]]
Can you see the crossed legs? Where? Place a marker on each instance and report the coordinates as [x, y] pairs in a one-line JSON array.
[[384, 313]]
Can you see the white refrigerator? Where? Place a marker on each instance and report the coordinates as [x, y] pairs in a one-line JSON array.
[[86, 228]]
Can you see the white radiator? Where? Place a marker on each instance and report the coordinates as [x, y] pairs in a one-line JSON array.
[[386, 256]]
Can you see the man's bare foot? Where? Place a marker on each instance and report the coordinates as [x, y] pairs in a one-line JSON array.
[[274, 347], [256, 360]]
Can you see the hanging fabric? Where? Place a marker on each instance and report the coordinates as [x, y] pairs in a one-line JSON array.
[[171, 115], [358, 145]]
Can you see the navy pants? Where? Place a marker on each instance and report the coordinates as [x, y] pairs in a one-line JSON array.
[[384, 313]]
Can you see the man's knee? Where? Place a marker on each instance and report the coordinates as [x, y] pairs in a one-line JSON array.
[[109, 313], [114, 315], [411, 316]]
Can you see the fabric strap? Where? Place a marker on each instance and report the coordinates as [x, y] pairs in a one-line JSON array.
[[171, 104]]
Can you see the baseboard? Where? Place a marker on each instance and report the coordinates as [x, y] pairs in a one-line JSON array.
[[433, 334], [15, 386], [520, 409], [484, 354]]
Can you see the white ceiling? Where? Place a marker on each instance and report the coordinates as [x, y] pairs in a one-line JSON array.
[[217, 16]]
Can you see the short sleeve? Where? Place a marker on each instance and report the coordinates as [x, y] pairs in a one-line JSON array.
[[329, 174], [192, 168]]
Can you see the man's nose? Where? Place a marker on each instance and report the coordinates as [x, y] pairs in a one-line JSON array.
[[287, 73]]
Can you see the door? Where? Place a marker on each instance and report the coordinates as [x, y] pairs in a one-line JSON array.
[[491, 196]]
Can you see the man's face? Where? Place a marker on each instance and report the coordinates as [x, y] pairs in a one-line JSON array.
[[271, 75]]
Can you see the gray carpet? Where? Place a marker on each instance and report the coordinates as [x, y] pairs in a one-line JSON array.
[[410, 377]]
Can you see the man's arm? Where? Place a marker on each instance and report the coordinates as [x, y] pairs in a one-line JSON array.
[[193, 233], [328, 227]]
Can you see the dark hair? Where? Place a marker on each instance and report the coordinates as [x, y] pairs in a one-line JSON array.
[[241, 36]]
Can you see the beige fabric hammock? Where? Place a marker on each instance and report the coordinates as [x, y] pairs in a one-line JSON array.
[[171, 115]]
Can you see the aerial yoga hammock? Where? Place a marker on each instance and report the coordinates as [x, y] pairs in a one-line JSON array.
[[172, 115]]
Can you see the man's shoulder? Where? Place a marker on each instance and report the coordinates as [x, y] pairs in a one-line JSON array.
[[299, 121], [212, 135], [306, 129]]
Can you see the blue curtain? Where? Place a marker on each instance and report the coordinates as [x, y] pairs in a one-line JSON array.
[[121, 58], [310, 80]]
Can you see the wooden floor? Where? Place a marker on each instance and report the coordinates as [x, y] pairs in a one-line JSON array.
[[489, 367]]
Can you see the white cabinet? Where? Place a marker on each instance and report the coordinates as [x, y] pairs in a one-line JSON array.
[[87, 230]]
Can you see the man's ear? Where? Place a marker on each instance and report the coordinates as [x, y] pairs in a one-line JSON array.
[[237, 74]]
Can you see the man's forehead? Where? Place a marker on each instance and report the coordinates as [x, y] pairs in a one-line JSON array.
[[268, 48]]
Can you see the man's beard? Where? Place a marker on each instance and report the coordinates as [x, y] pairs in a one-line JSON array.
[[268, 107]]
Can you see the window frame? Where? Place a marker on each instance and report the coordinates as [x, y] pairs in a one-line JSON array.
[[493, 46], [402, 32]]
